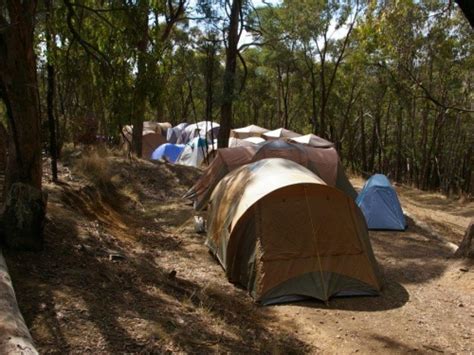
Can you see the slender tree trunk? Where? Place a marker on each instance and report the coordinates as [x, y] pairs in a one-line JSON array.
[[280, 96], [3, 161], [398, 171], [53, 147], [141, 80], [285, 95], [314, 108], [362, 143], [229, 74], [210, 81]]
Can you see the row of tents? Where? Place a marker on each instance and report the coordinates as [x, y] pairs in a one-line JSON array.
[[285, 222], [190, 144]]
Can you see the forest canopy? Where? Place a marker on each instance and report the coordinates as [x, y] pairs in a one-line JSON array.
[[389, 82]]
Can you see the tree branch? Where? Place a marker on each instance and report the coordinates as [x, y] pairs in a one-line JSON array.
[[242, 86], [174, 16], [89, 48], [95, 11]]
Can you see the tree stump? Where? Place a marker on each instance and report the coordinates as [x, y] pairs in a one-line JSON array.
[[466, 249], [23, 217]]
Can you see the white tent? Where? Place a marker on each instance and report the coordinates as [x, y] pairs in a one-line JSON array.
[[248, 131], [238, 142], [313, 140], [174, 133], [280, 133], [203, 129], [194, 152]]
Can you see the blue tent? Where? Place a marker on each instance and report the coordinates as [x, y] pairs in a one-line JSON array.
[[379, 204], [168, 151]]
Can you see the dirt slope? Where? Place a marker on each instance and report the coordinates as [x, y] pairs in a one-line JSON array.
[[123, 271]]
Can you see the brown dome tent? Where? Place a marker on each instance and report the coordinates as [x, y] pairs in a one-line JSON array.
[[151, 140], [156, 127], [323, 162], [281, 232], [248, 131]]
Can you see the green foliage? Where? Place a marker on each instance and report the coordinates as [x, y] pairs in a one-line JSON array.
[[390, 82]]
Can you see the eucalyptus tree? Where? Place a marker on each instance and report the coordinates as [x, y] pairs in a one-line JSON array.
[[150, 43], [415, 95], [18, 91], [324, 38]]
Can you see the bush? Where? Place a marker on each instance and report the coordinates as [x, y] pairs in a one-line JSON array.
[[95, 167]]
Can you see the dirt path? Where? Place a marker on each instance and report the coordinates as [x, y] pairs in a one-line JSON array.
[[447, 217], [127, 273]]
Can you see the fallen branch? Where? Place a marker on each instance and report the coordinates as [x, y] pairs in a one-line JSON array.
[[15, 337]]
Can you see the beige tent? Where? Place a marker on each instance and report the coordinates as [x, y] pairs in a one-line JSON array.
[[151, 140], [248, 131], [281, 232], [156, 127], [323, 162], [280, 133], [313, 140], [245, 142]]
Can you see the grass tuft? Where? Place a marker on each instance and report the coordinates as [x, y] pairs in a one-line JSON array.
[[95, 167]]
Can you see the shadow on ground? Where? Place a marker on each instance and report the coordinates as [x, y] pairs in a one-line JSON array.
[[409, 257], [101, 290], [413, 256]]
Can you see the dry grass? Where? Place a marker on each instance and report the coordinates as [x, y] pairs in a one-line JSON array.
[[94, 167]]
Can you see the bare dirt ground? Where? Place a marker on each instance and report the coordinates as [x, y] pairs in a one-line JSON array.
[[124, 271]]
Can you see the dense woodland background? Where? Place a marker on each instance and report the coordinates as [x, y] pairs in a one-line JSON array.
[[390, 82]]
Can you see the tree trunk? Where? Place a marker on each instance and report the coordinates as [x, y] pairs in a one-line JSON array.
[[466, 249], [3, 161], [286, 98], [280, 96], [53, 147], [229, 74], [398, 171], [23, 219], [210, 58], [141, 80], [314, 108], [18, 84], [362, 143], [18, 90], [15, 337]]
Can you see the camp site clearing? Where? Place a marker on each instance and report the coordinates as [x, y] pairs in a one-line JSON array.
[[123, 270]]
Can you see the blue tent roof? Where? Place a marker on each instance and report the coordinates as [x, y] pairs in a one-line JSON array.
[[168, 151], [380, 205]]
